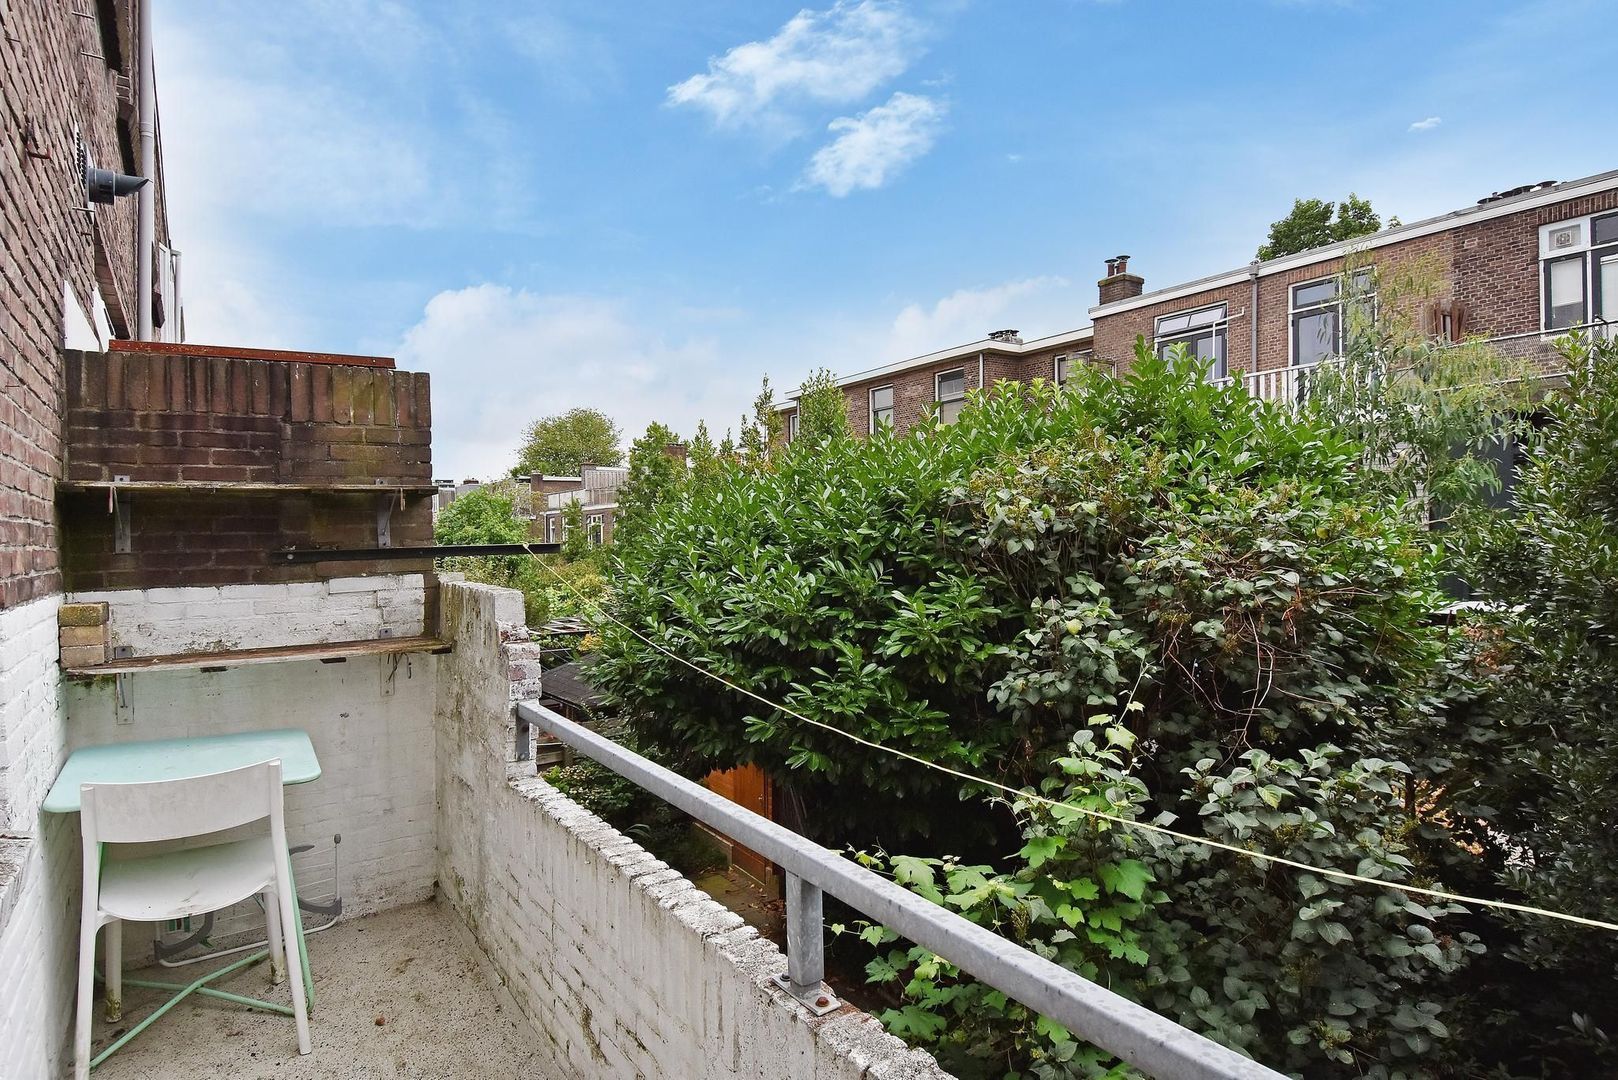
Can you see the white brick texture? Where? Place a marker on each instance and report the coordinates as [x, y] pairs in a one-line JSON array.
[[628, 968], [158, 621]]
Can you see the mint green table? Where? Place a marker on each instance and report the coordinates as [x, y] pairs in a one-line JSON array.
[[171, 759]]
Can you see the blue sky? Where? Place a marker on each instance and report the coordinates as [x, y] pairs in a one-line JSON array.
[[644, 207]]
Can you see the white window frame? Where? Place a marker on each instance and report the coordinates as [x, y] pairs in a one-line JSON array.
[[595, 529], [1218, 326], [1082, 356], [792, 425], [1591, 256], [1336, 302], [871, 409], [938, 393]]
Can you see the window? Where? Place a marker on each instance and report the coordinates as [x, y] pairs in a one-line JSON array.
[[595, 529], [1202, 332], [951, 394], [1316, 313], [792, 425], [881, 407], [1579, 274], [550, 530], [1064, 364]]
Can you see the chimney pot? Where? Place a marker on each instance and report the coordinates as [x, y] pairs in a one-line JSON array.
[[1123, 264], [1112, 267]]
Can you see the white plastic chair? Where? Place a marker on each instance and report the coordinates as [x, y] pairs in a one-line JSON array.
[[175, 884]]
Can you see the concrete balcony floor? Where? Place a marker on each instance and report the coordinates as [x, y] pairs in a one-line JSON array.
[[415, 967]]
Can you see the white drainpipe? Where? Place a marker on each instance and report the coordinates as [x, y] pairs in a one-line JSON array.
[[146, 222]]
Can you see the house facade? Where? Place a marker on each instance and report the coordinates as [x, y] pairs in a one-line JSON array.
[[595, 489], [1518, 269], [903, 394]]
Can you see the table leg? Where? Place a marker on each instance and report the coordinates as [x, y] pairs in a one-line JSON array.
[[303, 947]]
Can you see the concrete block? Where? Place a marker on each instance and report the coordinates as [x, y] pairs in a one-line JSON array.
[[94, 614], [71, 636], [84, 655]]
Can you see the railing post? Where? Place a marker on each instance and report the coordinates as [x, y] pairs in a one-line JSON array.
[[806, 948]]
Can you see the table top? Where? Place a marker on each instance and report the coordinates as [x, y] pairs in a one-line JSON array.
[[171, 759]]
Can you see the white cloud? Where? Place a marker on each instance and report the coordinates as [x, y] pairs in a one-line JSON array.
[[968, 314], [875, 146], [1428, 124], [501, 357], [837, 56]]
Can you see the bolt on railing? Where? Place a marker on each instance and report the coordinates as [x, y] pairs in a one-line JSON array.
[[1150, 1042]]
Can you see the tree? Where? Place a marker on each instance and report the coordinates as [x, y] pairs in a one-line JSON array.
[[706, 458], [822, 409], [558, 445], [1529, 751], [1312, 224], [654, 474], [762, 430], [575, 540], [483, 517], [479, 517], [1431, 416]]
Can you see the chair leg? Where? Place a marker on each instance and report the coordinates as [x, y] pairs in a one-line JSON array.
[[289, 939], [272, 937], [114, 962], [86, 1002]]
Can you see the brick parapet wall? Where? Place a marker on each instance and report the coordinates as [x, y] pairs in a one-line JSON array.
[[172, 417], [568, 909], [258, 455]]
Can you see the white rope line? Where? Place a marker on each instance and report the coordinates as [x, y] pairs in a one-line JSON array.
[[1123, 822]]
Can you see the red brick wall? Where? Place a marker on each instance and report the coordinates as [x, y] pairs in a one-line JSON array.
[[49, 87], [177, 418], [1490, 266], [190, 422]]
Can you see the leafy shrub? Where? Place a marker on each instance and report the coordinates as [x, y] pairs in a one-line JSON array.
[[1147, 591]]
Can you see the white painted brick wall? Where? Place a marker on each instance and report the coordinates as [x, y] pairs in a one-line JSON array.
[[158, 621], [371, 720], [38, 938], [629, 969], [33, 738]]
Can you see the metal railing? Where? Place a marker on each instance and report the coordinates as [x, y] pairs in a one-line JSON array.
[[1150, 1042]]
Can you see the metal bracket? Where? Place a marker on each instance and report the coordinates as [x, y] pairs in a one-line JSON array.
[[121, 543], [123, 696], [818, 999], [384, 522]]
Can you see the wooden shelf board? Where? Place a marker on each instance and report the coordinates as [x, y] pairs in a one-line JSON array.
[[280, 654]]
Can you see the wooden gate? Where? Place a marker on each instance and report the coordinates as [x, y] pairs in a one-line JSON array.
[[747, 786]]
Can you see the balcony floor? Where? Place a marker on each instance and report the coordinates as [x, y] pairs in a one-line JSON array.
[[414, 967]]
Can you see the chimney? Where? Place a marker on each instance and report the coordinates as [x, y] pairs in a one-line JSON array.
[[676, 451], [1120, 284], [1010, 337]]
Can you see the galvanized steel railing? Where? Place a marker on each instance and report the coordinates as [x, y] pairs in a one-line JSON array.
[[1141, 1037]]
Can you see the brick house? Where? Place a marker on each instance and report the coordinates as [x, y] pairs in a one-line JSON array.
[[1518, 269], [902, 394], [595, 489]]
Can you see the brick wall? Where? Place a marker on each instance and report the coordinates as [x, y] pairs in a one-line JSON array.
[[1490, 266], [244, 456], [50, 89], [175, 416]]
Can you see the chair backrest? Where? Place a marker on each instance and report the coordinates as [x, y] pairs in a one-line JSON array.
[[186, 806]]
